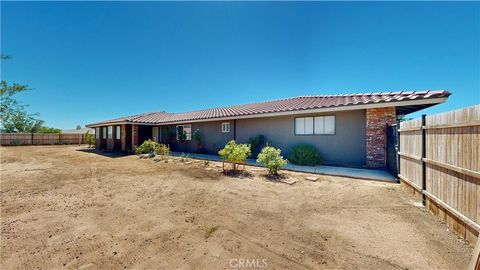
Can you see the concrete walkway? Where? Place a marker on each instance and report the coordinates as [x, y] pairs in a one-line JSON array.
[[380, 175]]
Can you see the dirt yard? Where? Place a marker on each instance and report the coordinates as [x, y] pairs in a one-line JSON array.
[[65, 208]]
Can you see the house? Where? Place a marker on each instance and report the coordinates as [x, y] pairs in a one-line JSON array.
[[347, 129], [78, 131]]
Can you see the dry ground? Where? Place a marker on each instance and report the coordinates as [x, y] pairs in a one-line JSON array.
[[64, 208]]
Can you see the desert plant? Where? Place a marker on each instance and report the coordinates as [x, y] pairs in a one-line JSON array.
[[90, 139], [271, 158], [235, 153], [210, 231], [257, 143], [305, 154], [147, 147], [162, 149]]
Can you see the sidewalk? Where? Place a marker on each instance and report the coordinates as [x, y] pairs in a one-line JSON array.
[[369, 174]]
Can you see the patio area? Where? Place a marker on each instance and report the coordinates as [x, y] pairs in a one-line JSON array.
[[368, 174]]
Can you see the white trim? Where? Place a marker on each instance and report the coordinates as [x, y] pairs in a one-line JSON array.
[[225, 124], [297, 112]]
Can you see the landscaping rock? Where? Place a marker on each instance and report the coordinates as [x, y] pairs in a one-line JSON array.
[[149, 155], [311, 178], [288, 181], [188, 162]]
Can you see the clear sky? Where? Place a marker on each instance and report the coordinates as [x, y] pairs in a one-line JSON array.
[[91, 61]]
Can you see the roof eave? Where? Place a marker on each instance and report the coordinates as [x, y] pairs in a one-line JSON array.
[[425, 102]]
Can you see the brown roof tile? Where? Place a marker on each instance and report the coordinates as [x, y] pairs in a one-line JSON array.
[[281, 105]]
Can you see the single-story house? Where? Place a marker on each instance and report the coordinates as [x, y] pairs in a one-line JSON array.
[[78, 131], [347, 129]]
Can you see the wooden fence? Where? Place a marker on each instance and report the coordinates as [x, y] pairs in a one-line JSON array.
[[40, 139], [440, 163]]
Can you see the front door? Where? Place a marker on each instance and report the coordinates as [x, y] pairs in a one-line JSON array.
[[156, 134]]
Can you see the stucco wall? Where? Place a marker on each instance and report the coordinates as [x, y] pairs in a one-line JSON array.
[[346, 147]]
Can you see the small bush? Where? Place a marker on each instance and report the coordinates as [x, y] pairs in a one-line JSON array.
[[235, 153], [162, 149], [90, 139], [271, 158], [305, 154], [147, 147]]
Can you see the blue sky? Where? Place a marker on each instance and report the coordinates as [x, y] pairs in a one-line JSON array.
[[91, 61]]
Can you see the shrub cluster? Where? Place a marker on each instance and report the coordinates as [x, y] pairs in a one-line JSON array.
[[152, 147], [162, 149], [272, 159], [235, 153], [305, 154]]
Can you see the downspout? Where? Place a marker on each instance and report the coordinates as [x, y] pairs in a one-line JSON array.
[[235, 129]]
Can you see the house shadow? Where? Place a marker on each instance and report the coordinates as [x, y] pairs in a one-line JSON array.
[[110, 154]]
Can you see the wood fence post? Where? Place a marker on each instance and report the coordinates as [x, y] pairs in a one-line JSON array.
[[424, 155], [397, 129]]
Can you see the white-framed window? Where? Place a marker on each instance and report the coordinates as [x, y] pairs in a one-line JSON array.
[[104, 133], [97, 133], [118, 133], [185, 129], [226, 127], [110, 132], [318, 125]]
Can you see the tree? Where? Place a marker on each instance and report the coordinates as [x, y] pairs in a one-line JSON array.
[[13, 116], [48, 130]]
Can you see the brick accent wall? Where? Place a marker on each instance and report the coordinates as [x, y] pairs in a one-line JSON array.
[[376, 136], [123, 137], [134, 135]]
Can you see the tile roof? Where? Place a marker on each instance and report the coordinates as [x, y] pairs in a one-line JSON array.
[[282, 105]]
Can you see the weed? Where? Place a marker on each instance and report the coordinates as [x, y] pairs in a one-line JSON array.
[[210, 231]]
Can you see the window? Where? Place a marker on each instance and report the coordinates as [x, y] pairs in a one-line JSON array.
[[226, 127], [97, 133], [104, 133], [184, 129], [117, 133], [110, 132], [318, 125]]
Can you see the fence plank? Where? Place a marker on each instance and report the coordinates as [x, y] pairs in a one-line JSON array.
[[40, 139], [452, 166]]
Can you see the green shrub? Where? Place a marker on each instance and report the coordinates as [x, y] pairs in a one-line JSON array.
[[235, 153], [305, 154], [147, 147], [257, 143], [90, 139], [162, 149], [271, 158]]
